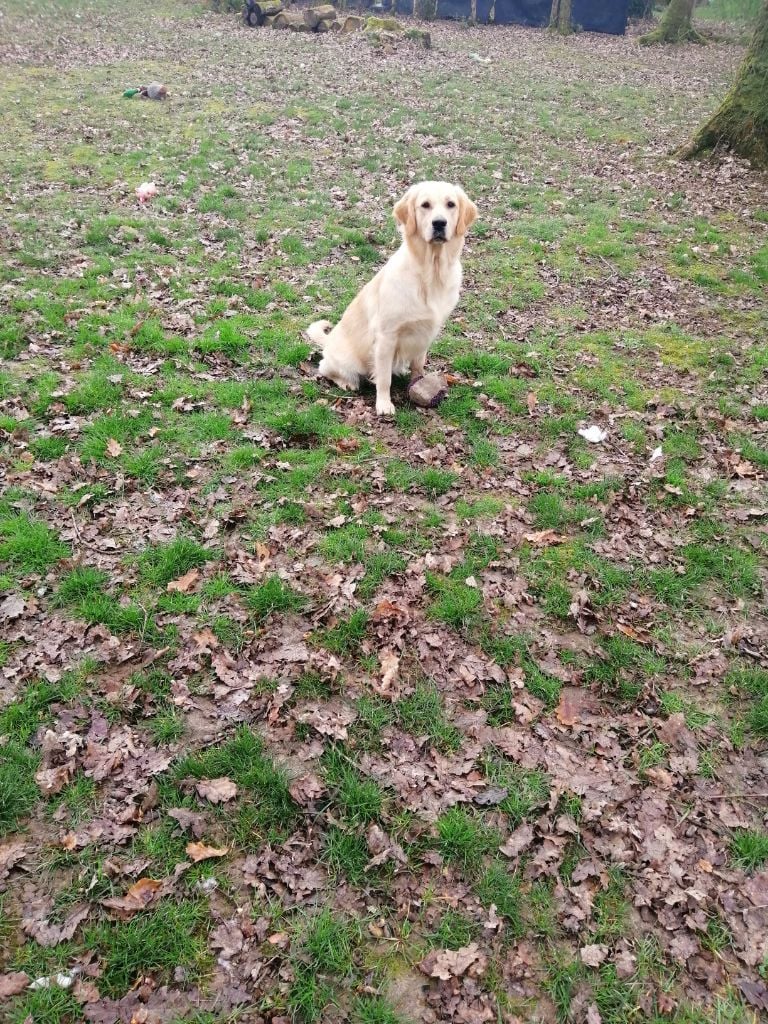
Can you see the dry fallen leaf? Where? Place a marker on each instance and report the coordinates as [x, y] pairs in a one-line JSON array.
[[491, 796], [218, 791], [330, 719], [114, 448], [755, 992], [593, 955], [191, 820], [383, 848], [390, 667], [306, 789], [205, 640], [10, 854], [137, 898], [13, 983], [199, 851], [12, 607], [633, 634], [347, 444], [450, 963], [543, 537], [573, 701], [184, 583], [520, 840], [53, 780], [85, 991], [388, 610], [37, 926]]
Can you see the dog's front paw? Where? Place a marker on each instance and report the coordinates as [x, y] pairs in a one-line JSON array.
[[384, 407]]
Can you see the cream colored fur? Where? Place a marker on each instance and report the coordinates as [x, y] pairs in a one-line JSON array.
[[390, 325]]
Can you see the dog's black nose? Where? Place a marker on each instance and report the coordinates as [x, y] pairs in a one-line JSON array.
[[439, 224]]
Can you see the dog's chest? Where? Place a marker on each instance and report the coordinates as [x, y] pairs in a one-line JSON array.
[[439, 301]]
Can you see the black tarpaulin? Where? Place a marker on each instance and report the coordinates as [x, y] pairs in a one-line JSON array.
[[455, 9], [591, 15], [601, 15], [522, 12]]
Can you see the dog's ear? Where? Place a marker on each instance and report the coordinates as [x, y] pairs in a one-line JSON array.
[[405, 212], [467, 212]]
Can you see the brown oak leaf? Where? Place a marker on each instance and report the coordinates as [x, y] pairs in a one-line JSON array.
[[593, 955], [13, 983], [306, 789], [137, 898], [217, 791], [184, 583], [451, 963], [199, 851], [190, 820]]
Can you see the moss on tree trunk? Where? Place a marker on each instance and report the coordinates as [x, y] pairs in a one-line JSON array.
[[741, 121], [676, 25], [560, 18]]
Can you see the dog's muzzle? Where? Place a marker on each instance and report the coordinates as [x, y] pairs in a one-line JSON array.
[[438, 230]]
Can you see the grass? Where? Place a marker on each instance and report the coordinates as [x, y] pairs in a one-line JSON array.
[[79, 584], [267, 808], [379, 567], [346, 637], [327, 949], [29, 545], [347, 544], [329, 943], [374, 1010], [464, 839], [21, 719], [749, 848], [18, 790], [157, 941], [624, 668], [754, 683], [454, 931], [273, 595], [48, 1006], [499, 887], [160, 564], [528, 789], [422, 715], [359, 799], [610, 909], [730, 10], [346, 854], [455, 602]]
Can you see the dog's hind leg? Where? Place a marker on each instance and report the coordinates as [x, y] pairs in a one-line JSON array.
[[343, 378]]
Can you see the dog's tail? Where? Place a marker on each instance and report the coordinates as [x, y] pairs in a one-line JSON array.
[[318, 332]]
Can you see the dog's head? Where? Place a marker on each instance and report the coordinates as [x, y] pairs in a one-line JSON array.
[[435, 211]]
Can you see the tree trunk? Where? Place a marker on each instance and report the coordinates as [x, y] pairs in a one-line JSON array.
[[741, 122], [314, 15], [560, 18], [675, 26]]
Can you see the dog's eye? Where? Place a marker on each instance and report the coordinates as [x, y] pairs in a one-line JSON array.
[[450, 204], [426, 204]]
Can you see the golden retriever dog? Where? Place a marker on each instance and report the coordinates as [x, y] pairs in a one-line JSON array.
[[390, 325]]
